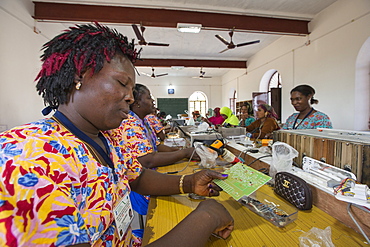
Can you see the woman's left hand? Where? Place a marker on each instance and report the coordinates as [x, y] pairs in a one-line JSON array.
[[202, 183]]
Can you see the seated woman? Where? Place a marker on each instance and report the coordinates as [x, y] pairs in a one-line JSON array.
[[246, 116], [139, 137], [301, 97], [156, 124], [197, 117], [265, 123], [64, 178], [140, 140], [216, 119], [229, 118]]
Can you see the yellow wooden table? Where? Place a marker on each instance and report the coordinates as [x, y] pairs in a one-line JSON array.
[[165, 212]]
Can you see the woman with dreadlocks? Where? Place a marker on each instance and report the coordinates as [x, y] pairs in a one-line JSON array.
[[64, 181]]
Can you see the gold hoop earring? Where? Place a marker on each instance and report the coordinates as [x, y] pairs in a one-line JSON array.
[[78, 85], [138, 106]]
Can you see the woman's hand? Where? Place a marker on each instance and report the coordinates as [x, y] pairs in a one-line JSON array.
[[217, 212], [191, 153], [244, 116], [201, 183]]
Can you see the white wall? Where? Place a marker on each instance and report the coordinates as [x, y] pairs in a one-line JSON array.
[[19, 64], [328, 63], [184, 87]]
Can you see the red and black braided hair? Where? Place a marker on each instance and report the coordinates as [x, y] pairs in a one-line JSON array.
[[72, 53]]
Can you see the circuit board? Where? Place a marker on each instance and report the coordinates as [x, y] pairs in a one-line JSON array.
[[242, 181]]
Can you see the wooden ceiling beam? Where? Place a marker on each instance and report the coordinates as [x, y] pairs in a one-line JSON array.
[[167, 18], [191, 63]]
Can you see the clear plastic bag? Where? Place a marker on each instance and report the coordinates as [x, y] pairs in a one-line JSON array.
[[316, 238], [203, 126], [282, 158], [207, 156]]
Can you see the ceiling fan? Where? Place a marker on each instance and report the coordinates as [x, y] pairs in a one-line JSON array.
[[231, 45], [140, 36], [202, 76], [153, 75]]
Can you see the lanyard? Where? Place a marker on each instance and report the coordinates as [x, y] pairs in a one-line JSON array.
[[295, 122], [152, 137], [92, 145]]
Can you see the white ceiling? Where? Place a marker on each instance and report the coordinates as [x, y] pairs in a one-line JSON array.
[[204, 45]]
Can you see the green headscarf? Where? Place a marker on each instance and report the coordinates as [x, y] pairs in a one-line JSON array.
[[210, 112], [231, 118]]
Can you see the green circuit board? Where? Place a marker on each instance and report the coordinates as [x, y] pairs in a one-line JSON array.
[[242, 181]]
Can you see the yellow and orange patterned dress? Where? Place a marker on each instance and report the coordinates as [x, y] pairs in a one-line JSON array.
[[53, 192], [154, 122]]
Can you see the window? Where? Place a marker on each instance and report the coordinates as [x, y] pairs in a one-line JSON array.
[[198, 102]]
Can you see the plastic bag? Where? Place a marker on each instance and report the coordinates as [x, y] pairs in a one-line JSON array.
[[203, 126], [316, 238], [207, 156], [282, 158], [190, 121]]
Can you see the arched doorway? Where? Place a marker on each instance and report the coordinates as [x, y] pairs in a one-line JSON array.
[[198, 102], [362, 88], [270, 90]]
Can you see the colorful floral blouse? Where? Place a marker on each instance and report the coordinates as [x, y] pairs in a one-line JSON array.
[[53, 192], [313, 121], [137, 136], [154, 122]]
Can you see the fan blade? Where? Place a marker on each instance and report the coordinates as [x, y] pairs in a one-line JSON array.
[[248, 43], [137, 33], [146, 74], [224, 50], [158, 44], [222, 39], [161, 75]]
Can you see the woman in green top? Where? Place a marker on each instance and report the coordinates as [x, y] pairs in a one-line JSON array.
[[230, 118]]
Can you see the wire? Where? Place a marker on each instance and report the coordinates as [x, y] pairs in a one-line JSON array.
[[259, 133], [245, 151], [354, 220], [268, 155], [186, 164], [264, 170]]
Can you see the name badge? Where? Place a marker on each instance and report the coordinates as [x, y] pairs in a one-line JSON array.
[[123, 215]]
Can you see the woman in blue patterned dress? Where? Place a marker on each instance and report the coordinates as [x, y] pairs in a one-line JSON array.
[[302, 97]]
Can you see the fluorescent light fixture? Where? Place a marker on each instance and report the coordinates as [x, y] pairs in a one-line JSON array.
[[177, 67], [188, 27]]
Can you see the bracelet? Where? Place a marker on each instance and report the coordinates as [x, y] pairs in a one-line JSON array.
[[181, 184]]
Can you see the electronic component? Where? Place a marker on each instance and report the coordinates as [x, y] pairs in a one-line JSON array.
[[242, 181], [333, 183], [273, 210], [333, 180]]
